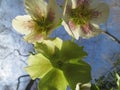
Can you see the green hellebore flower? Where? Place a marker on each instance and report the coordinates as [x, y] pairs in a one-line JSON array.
[[43, 18], [81, 18]]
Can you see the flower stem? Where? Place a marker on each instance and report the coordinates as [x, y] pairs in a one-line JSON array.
[[112, 37], [65, 6]]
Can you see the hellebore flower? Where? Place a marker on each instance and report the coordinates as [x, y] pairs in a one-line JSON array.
[[43, 18], [81, 18]]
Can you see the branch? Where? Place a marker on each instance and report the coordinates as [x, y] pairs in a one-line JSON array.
[[112, 37]]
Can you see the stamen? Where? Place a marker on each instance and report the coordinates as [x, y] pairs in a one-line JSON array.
[[80, 2], [45, 24], [95, 14], [87, 28], [81, 15]]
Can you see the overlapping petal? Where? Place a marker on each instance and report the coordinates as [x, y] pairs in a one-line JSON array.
[[54, 15], [102, 11], [36, 8], [44, 18], [72, 29], [23, 24], [89, 14]]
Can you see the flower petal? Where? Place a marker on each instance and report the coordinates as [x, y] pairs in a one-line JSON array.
[[71, 29], [74, 3], [23, 24], [94, 31], [35, 37], [53, 14], [36, 8], [102, 9]]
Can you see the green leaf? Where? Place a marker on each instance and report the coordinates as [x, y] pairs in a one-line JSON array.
[[58, 62], [77, 73], [71, 50], [54, 80], [38, 66], [36, 8], [49, 48]]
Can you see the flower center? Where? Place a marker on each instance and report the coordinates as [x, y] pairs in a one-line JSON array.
[[43, 25], [81, 15]]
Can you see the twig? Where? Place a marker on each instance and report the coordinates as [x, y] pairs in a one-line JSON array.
[[19, 81], [112, 37], [30, 84]]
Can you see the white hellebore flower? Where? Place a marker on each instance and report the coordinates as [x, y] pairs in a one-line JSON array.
[[81, 18], [43, 18]]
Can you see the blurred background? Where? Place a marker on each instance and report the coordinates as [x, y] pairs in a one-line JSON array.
[[103, 52]]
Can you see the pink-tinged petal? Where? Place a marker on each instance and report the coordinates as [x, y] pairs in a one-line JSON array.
[[36, 8], [76, 3], [90, 30], [72, 29], [23, 24], [100, 13], [53, 14], [35, 37], [86, 28]]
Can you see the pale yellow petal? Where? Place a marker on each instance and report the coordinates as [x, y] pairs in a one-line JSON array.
[[94, 32], [103, 10], [53, 13], [74, 32], [23, 24], [36, 8], [74, 4], [34, 37]]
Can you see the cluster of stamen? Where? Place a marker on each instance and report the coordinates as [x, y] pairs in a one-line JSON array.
[[43, 25], [82, 14]]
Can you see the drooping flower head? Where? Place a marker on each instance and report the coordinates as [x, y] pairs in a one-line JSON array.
[[83, 17], [43, 18]]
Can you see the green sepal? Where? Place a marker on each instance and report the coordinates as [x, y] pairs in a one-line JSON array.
[[77, 72]]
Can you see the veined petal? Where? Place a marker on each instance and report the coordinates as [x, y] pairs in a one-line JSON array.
[[90, 31], [35, 37], [36, 8], [23, 24], [53, 13], [72, 29], [102, 9], [74, 3]]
